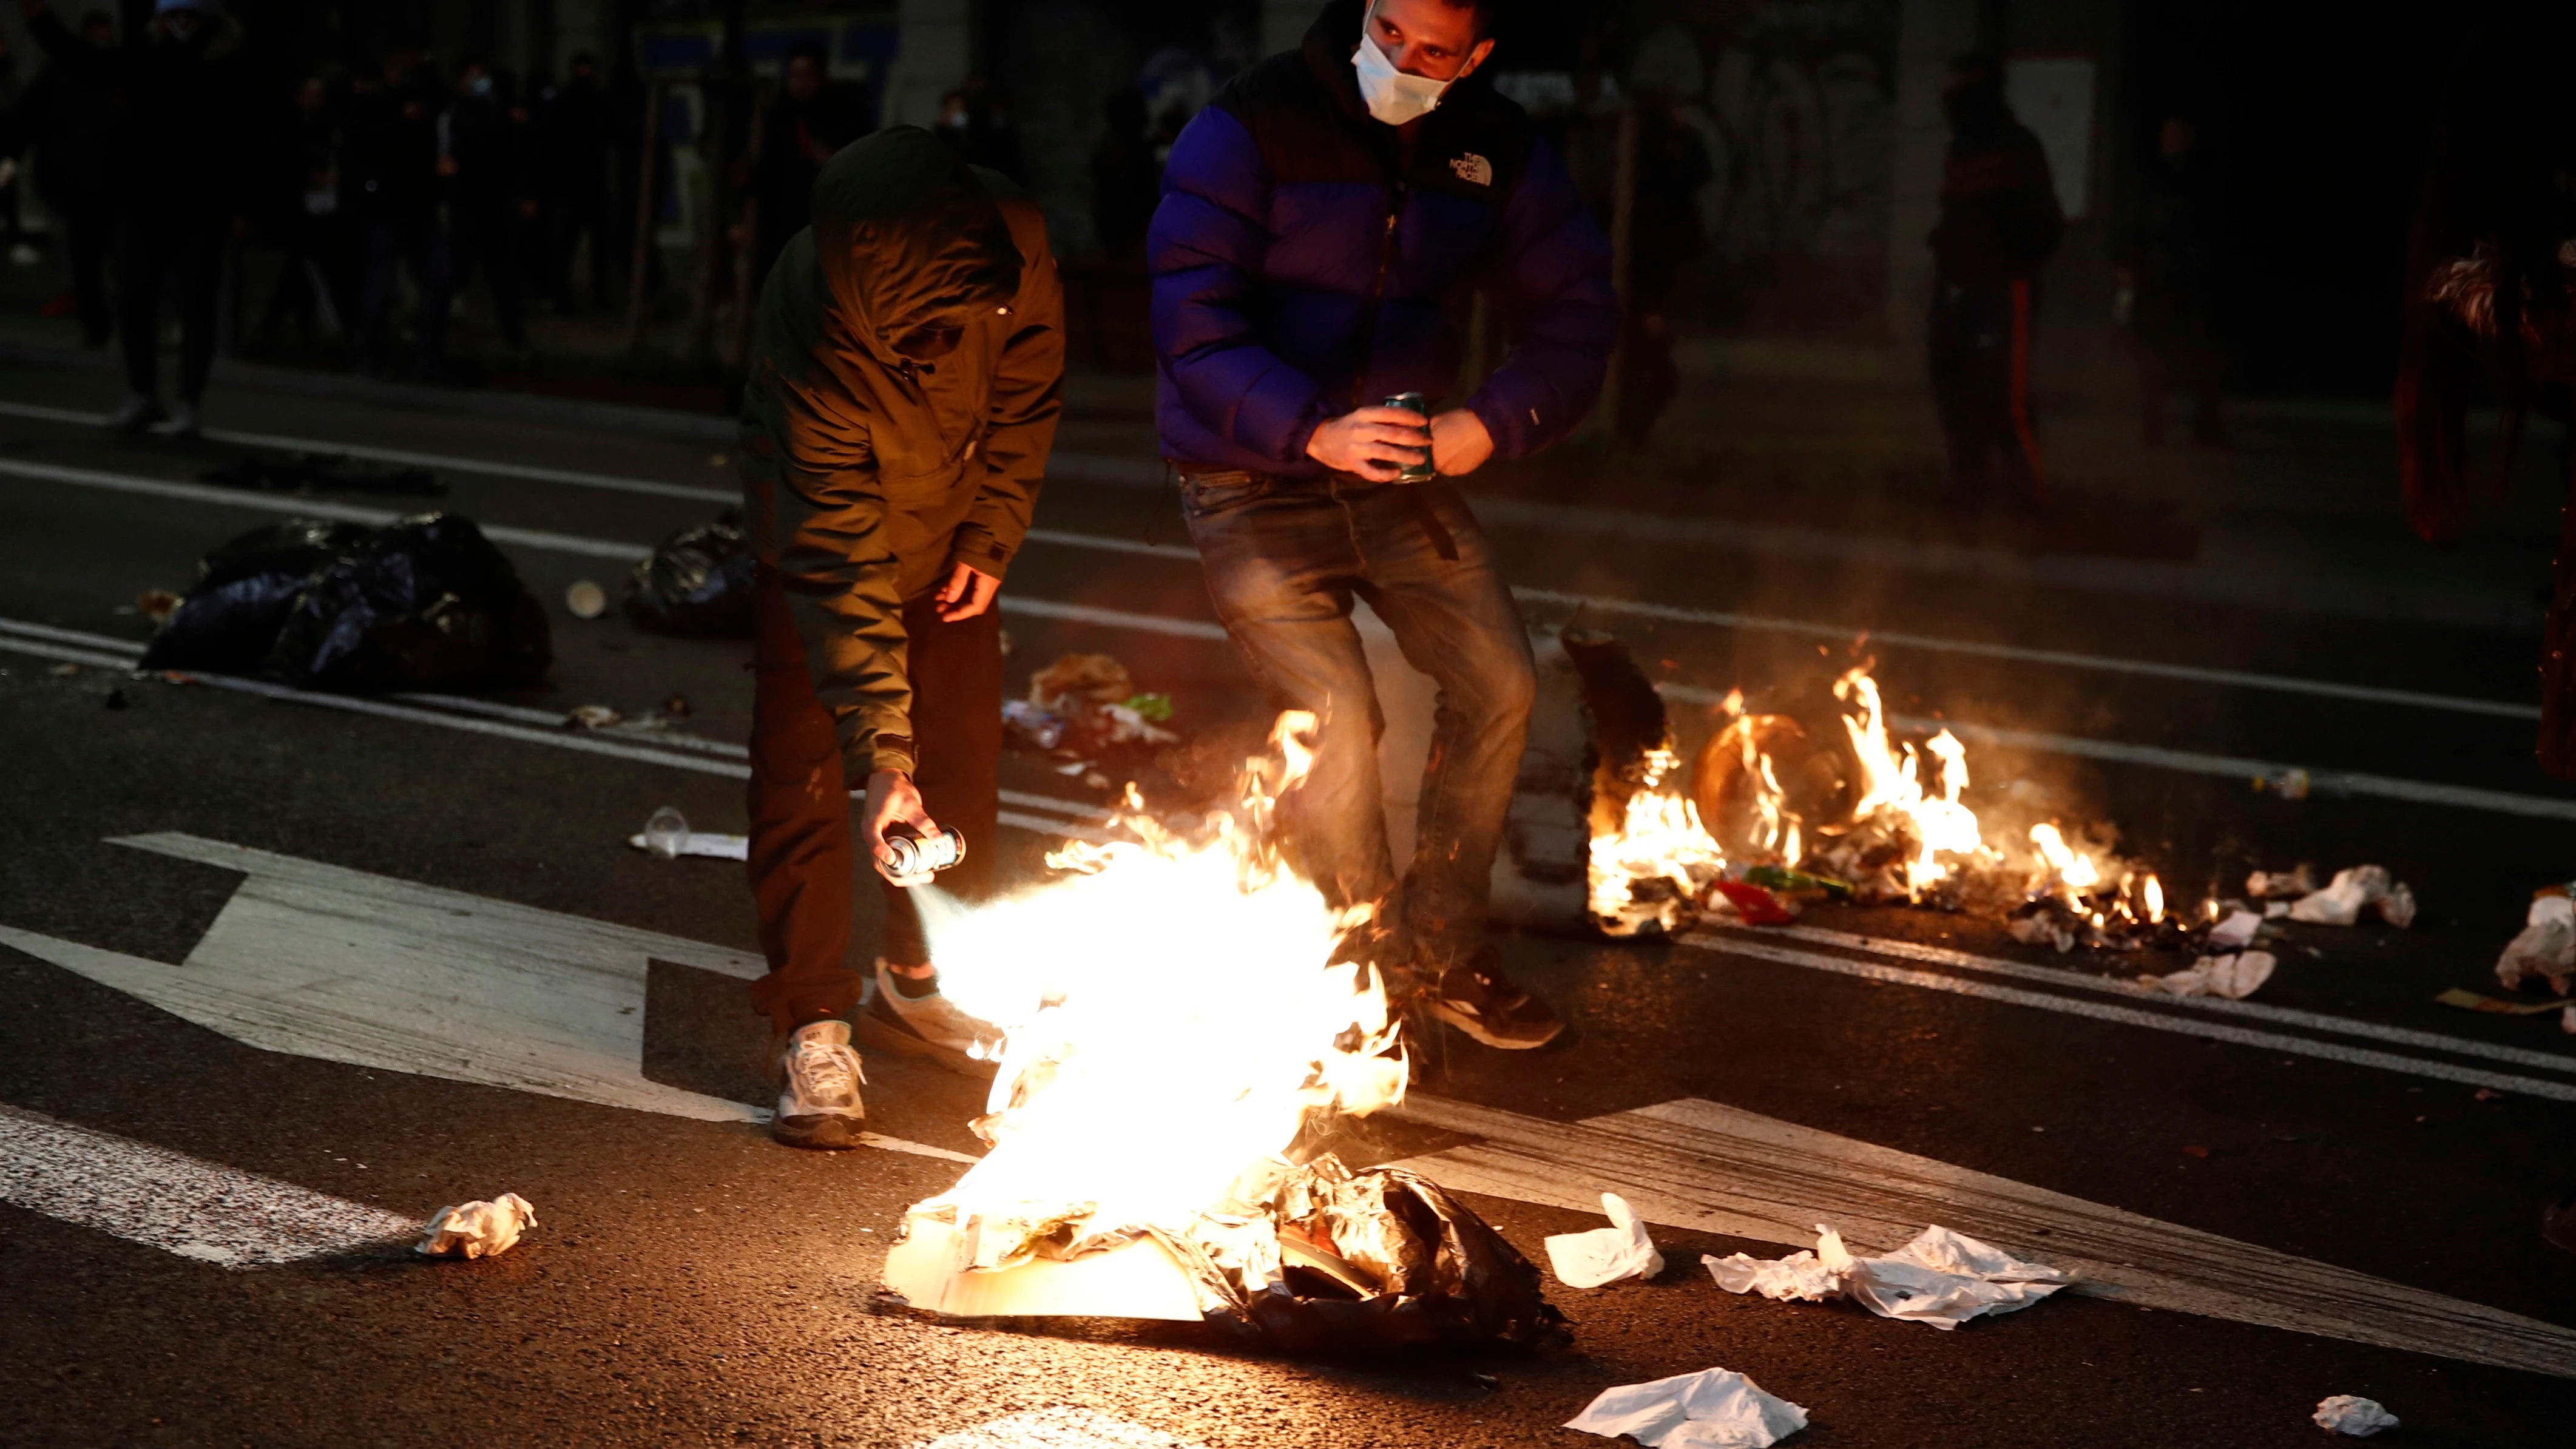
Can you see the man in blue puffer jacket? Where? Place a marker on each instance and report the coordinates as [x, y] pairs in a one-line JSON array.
[[1323, 222]]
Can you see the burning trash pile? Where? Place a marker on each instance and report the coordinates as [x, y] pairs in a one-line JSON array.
[[1812, 798], [1085, 711], [1172, 1019]]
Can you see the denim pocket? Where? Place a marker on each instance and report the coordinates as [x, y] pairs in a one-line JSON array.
[[1203, 496]]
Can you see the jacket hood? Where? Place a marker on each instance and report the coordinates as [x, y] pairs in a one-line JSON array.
[[1328, 46], [908, 236]]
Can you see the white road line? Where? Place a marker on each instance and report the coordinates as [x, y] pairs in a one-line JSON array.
[[2137, 1016], [1059, 1426], [2151, 756], [1670, 613], [167, 1200], [2121, 986], [1716, 1169]]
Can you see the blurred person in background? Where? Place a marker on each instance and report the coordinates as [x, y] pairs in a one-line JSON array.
[[13, 225], [1999, 224], [65, 117], [311, 229], [170, 154], [572, 150], [975, 120], [1319, 220], [393, 163], [2164, 286], [813, 117], [484, 160], [1126, 178]]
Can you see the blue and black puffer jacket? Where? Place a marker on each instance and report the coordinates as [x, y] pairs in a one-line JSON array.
[[1303, 266]]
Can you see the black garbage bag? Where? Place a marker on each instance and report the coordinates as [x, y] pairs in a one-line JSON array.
[[422, 603], [229, 620], [698, 582]]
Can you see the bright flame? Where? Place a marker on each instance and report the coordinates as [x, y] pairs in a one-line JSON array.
[[1890, 782], [1660, 839], [1169, 1016], [2063, 871], [2155, 898]]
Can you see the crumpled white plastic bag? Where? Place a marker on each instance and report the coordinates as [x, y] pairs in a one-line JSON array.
[[1605, 1255], [2234, 977], [2353, 1415], [2236, 932], [478, 1229], [2546, 947], [1941, 1278], [1713, 1409], [2342, 901], [1800, 1277]]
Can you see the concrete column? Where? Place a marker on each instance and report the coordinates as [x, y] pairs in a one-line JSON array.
[[937, 52], [1929, 33], [1284, 23]]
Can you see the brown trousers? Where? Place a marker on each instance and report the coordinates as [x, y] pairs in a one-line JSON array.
[[804, 860]]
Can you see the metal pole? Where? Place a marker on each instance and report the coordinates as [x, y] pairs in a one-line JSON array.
[[1623, 246], [644, 199]]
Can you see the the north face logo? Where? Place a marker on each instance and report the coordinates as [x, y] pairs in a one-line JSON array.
[[1473, 169]]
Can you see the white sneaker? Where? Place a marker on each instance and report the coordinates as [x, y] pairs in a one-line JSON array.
[[927, 1026], [138, 412], [818, 1096], [183, 420]]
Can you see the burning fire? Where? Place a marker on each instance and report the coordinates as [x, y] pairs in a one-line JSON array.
[[1899, 827], [1169, 1014]]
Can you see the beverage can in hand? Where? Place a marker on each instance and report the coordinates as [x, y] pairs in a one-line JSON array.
[[917, 854], [1420, 406]]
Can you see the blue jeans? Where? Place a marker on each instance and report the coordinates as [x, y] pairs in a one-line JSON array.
[[1284, 559]]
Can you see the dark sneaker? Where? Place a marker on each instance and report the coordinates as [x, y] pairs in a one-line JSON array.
[[818, 1093], [1477, 999], [927, 1026]]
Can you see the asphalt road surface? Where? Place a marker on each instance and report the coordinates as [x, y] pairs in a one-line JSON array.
[[282, 976]]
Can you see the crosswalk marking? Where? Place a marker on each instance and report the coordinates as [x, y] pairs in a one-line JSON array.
[[1712, 1168], [168, 1200]]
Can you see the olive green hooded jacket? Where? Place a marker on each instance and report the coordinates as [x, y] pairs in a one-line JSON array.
[[867, 474]]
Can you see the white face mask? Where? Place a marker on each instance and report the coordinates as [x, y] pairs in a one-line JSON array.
[[1392, 96]]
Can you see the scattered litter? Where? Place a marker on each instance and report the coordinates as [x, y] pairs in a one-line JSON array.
[[322, 473], [1099, 704], [64, 671], [2472, 1001], [1605, 1255], [676, 705], [2276, 910], [1756, 905], [2234, 977], [1800, 1277], [2236, 932], [585, 599], [2485, 1094], [590, 717], [1031, 726], [478, 1229], [668, 835], [2288, 784], [2547, 946], [156, 605], [698, 582], [422, 603], [1713, 1409], [2341, 902], [2567, 1019], [1941, 1278], [2353, 1415], [2282, 884], [2041, 928]]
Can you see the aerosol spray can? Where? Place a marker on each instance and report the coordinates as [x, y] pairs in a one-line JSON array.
[[1420, 406], [918, 854]]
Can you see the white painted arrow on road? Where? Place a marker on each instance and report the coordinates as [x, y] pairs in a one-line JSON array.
[[319, 961]]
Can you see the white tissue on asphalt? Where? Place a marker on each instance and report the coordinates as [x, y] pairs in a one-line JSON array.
[[2236, 932], [1713, 1409], [2341, 902], [2546, 948], [1605, 1255], [706, 843], [478, 1229], [2353, 1415], [2234, 977], [1941, 1278]]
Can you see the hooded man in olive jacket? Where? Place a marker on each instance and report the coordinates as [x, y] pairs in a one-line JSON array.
[[902, 398]]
